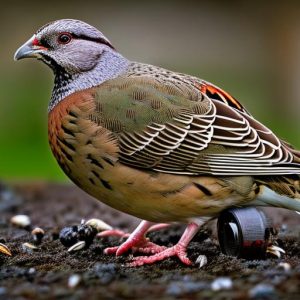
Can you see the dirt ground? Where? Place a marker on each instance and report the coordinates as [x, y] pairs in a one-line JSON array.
[[51, 272]]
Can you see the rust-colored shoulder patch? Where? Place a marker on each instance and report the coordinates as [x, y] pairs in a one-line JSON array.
[[216, 93]]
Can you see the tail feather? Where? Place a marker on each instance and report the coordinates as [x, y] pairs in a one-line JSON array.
[[268, 197]]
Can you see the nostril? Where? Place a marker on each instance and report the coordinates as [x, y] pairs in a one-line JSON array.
[[244, 232]]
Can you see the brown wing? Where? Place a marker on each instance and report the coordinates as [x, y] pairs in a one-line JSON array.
[[176, 133]]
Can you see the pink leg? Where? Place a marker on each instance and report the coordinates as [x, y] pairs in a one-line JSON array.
[[137, 242], [113, 232], [158, 227], [178, 250], [123, 234]]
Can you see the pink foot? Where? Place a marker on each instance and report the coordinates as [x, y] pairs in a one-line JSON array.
[[122, 234], [143, 246], [137, 242], [178, 250]]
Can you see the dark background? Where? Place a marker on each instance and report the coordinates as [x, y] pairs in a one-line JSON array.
[[251, 50]]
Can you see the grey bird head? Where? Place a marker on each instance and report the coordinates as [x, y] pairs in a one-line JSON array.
[[70, 44], [79, 54]]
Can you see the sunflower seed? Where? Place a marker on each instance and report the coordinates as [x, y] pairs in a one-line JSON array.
[[98, 224], [4, 249], [76, 247], [201, 261], [28, 247], [275, 250]]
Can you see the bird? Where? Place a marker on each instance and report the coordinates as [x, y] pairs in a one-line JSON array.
[[163, 146]]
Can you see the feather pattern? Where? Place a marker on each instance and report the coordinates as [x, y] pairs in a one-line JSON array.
[[208, 131]]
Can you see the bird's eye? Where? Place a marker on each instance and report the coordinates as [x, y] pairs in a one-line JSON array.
[[64, 38]]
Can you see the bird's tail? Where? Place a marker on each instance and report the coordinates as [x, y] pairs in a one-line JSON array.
[[282, 191]]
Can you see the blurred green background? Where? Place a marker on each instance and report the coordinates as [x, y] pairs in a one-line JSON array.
[[251, 50]]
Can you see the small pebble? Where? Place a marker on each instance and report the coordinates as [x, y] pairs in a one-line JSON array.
[[263, 290], [105, 272], [71, 235], [284, 228], [31, 271], [2, 290], [74, 280], [21, 221], [221, 283], [285, 266]]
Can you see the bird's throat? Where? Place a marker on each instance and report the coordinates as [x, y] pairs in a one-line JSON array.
[[111, 64]]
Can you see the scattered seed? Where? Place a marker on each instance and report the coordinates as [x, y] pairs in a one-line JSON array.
[[37, 234], [78, 246], [28, 247], [98, 224], [74, 280], [221, 283], [21, 221], [201, 261], [275, 250], [4, 249]]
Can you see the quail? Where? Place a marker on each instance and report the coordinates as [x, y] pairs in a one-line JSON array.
[[160, 145]]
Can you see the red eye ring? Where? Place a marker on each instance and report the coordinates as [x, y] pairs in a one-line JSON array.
[[64, 38]]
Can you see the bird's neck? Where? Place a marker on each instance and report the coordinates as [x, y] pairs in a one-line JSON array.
[[110, 65]]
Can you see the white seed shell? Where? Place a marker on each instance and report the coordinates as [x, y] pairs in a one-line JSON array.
[[275, 250], [76, 247], [98, 224], [21, 221], [201, 261], [28, 247], [285, 266]]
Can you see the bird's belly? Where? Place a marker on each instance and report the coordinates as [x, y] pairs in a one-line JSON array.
[[156, 197]]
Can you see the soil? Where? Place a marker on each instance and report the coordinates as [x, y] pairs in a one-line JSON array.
[[51, 272]]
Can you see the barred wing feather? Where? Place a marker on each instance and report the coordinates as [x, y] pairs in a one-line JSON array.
[[222, 140]]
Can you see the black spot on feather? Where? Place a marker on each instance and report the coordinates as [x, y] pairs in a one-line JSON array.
[[203, 189]]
